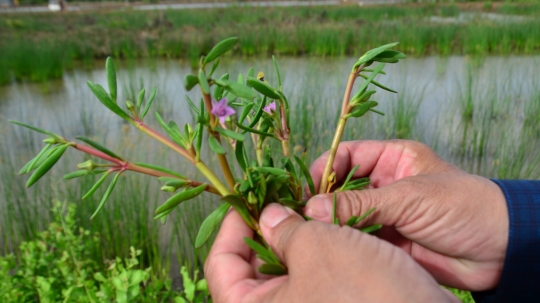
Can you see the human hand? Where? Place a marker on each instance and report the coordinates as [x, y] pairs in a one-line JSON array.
[[453, 223], [326, 263]]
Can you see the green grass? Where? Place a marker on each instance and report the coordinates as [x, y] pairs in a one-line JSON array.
[[41, 46]]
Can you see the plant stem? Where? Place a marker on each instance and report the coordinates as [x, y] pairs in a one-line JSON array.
[[152, 133], [333, 150], [212, 178], [345, 108], [285, 147]]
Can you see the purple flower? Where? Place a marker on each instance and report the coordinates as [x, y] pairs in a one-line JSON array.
[[222, 110], [270, 108]]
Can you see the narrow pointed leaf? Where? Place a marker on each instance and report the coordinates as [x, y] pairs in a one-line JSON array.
[[360, 110], [215, 145], [239, 205], [149, 102], [272, 269], [221, 48], [272, 170], [180, 197], [111, 78], [252, 130], [99, 147], [96, 185], [251, 73], [240, 90], [46, 165], [106, 100], [193, 107], [203, 82], [368, 56], [350, 175], [390, 54], [214, 67], [263, 88], [240, 155], [200, 129], [80, 173], [161, 169], [245, 111], [106, 195], [231, 134], [36, 159], [277, 72], [370, 229], [218, 91], [140, 99], [261, 250], [36, 129], [371, 77], [378, 84], [307, 175], [210, 224], [190, 81], [258, 115], [376, 111]]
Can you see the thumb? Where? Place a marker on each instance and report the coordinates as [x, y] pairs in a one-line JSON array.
[[390, 203], [279, 225]]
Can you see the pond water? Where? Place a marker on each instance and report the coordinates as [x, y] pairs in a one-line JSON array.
[[481, 114]]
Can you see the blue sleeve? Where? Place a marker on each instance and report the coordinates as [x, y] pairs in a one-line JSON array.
[[520, 279]]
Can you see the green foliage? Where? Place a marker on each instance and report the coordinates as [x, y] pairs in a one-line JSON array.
[[58, 267]]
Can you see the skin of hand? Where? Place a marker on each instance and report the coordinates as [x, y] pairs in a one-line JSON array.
[[326, 263], [452, 223]]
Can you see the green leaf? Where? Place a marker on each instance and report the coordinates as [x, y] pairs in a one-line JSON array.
[[272, 170], [203, 82], [368, 56], [370, 229], [231, 134], [104, 98], [214, 67], [376, 111], [287, 164], [111, 78], [252, 130], [149, 102], [371, 70], [240, 206], [277, 72], [190, 81], [386, 60], [46, 165], [35, 162], [106, 195], [261, 250], [361, 97], [36, 159], [218, 91], [99, 147], [362, 109], [263, 88], [245, 111], [200, 130], [371, 77], [36, 129], [140, 99], [272, 269], [378, 84], [80, 173], [307, 175], [251, 73], [241, 155], [258, 115], [180, 197], [161, 169], [221, 48], [210, 223], [96, 185], [335, 219], [240, 90], [215, 145], [240, 79], [390, 54], [350, 175], [193, 107]]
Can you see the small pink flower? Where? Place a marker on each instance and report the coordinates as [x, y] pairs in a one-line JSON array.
[[270, 108], [222, 110]]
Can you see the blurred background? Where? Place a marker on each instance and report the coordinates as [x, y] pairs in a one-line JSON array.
[[469, 88]]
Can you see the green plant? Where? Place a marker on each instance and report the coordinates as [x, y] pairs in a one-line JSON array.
[[57, 267]]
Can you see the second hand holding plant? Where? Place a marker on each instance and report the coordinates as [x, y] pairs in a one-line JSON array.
[[265, 116]]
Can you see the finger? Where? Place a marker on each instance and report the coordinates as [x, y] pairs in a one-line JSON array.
[[390, 203], [227, 269], [278, 224]]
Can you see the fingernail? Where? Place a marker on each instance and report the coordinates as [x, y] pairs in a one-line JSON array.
[[319, 207], [274, 214]]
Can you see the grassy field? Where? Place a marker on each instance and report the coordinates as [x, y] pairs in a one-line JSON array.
[[38, 47]]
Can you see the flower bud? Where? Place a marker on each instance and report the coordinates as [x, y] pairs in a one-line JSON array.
[[130, 106], [252, 199], [88, 165], [168, 188], [50, 140]]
